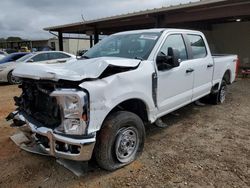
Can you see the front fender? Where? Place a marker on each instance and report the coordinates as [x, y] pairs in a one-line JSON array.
[[105, 94]]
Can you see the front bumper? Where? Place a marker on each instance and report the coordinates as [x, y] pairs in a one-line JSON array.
[[3, 76], [57, 145]]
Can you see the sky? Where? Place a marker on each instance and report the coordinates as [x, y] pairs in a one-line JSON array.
[[27, 18]]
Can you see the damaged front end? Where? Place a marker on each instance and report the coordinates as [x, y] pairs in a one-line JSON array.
[[54, 117]]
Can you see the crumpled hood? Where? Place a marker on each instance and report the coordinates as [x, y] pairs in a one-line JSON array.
[[72, 70]]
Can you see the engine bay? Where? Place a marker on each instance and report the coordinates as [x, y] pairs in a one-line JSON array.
[[36, 102]]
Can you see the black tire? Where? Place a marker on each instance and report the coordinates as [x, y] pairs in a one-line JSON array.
[[13, 80], [111, 144], [220, 96]]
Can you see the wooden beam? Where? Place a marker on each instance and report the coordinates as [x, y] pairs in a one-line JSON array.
[[208, 14]]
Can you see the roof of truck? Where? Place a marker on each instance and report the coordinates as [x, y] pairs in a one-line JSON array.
[[156, 30]]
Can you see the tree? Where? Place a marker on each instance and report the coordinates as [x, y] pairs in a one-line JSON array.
[[13, 39]]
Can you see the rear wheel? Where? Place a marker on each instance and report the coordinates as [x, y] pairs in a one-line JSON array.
[[12, 79], [120, 141], [220, 96]]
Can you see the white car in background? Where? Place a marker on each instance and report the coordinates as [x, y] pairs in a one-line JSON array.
[[46, 57], [2, 56]]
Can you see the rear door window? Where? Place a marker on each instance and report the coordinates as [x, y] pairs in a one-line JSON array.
[[198, 46]]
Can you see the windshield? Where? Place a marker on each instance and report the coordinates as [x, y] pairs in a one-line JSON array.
[[6, 59], [133, 46], [24, 58]]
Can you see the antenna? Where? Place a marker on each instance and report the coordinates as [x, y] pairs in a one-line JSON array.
[[77, 48], [83, 19]]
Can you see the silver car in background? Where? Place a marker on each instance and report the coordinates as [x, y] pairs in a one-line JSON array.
[[47, 57]]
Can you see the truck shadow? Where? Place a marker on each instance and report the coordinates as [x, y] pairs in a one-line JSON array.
[[177, 117], [4, 84]]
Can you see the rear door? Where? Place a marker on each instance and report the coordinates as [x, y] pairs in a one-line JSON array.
[[175, 85], [203, 65]]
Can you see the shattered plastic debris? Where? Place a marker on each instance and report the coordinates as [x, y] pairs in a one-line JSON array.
[[78, 168]]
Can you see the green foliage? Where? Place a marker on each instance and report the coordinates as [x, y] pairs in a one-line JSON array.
[[13, 39]]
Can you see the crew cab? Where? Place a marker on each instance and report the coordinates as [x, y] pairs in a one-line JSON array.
[[99, 105]]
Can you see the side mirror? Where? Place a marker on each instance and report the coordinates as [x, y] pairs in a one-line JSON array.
[[30, 61], [172, 59]]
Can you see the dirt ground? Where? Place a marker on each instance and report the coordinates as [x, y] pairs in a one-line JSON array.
[[202, 147]]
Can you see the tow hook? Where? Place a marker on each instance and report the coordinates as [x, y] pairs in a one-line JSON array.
[[11, 116], [16, 122]]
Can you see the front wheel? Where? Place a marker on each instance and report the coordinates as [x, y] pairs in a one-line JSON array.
[[120, 141], [220, 96], [12, 79]]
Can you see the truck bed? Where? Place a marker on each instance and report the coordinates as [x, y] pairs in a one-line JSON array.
[[224, 62]]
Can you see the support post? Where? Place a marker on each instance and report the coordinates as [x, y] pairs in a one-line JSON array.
[[31, 46], [60, 39], [91, 41], [96, 37]]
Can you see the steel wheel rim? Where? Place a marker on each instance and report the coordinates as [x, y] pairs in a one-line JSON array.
[[126, 144], [223, 94]]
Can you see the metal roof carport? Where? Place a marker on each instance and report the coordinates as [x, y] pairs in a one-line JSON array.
[[197, 15]]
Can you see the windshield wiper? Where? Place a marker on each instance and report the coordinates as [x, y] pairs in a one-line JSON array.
[[85, 57], [140, 58]]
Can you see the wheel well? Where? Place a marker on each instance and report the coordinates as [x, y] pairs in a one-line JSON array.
[[227, 76], [136, 106], [215, 88], [8, 75], [10, 72]]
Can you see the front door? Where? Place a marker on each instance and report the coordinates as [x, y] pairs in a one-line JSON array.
[[175, 84]]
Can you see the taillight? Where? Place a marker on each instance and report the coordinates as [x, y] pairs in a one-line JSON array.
[[237, 67]]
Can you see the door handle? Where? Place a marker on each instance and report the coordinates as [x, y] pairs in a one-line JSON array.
[[189, 70], [61, 61], [210, 65]]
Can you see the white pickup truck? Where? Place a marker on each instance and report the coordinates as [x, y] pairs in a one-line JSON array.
[[100, 104]]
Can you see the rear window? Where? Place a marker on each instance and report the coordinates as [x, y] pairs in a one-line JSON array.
[[18, 56], [198, 46]]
